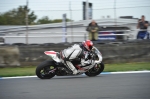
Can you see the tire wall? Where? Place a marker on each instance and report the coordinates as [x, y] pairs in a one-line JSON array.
[[9, 56], [112, 53]]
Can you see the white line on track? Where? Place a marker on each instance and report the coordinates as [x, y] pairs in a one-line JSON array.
[[125, 72], [17, 77], [129, 72]]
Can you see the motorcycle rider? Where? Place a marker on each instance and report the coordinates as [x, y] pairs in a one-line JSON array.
[[77, 51]]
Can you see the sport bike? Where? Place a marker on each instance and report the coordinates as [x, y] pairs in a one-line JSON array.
[[49, 68]]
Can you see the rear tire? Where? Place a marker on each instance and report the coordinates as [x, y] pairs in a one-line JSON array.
[[42, 70], [94, 72]]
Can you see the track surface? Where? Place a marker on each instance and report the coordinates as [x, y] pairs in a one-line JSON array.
[[108, 86]]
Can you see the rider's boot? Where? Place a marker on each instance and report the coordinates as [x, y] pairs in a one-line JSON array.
[[71, 67]]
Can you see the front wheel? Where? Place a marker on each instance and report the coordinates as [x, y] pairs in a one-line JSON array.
[[43, 70], [96, 70]]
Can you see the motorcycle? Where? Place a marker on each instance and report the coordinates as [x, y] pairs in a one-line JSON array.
[[49, 68]]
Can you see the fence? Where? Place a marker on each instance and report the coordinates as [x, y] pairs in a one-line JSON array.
[[49, 37], [74, 9]]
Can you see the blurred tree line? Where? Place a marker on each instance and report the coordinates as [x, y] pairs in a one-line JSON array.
[[18, 17], [45, 20]]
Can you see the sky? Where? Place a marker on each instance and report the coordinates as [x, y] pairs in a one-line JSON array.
[[73, 8]]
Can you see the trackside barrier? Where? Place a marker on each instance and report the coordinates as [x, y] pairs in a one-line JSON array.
[[59, 35], [80, 31]]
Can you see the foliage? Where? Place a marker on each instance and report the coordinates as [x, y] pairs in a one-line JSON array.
[[45, 20], [17, 16]]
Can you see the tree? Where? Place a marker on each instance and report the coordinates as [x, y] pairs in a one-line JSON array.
[[46, 20], [17, 16], [59, 20]]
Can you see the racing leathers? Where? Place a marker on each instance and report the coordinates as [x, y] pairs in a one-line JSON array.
[[74, 52]]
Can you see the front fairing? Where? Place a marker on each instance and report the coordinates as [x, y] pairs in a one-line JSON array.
[[98, 54]]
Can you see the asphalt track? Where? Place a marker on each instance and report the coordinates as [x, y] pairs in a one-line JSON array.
[[106, 86]]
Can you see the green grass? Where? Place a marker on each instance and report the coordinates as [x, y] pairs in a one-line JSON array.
[[30, 70], [17, 71], [127, 67]]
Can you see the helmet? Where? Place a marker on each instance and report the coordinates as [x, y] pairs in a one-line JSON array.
[[87, 45]]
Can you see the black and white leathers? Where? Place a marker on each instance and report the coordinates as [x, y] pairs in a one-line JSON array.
[[72, 53]]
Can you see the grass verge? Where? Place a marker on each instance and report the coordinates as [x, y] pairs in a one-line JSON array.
[[30, 70], [127, 67]]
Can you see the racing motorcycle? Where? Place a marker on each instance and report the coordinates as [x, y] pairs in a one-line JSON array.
[[49, 68]]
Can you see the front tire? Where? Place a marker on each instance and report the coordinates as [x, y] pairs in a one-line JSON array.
[[95, 70], [42, 70]]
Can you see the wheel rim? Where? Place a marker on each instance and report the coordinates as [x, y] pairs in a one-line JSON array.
[[95, 69], [45, 72]]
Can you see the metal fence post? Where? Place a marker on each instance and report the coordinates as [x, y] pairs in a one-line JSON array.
[[85, 36]]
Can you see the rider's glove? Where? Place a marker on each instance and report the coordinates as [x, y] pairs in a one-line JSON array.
[[88, 56]]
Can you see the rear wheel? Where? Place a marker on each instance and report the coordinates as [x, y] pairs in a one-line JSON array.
[[44, 70], [96, 70]]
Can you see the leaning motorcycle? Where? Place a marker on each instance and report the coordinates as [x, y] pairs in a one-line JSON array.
[[49, 68]]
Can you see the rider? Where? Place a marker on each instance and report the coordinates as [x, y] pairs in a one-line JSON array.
[[77, 51]]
